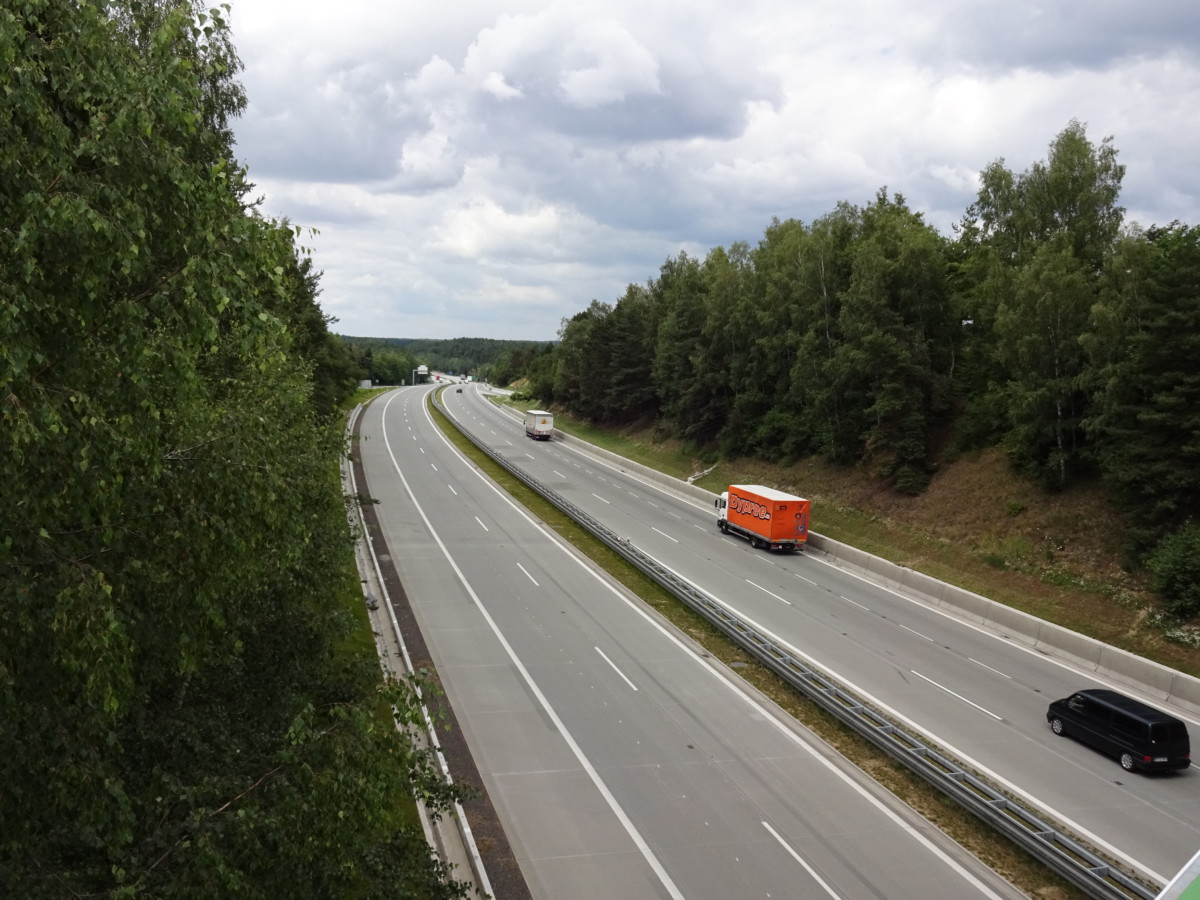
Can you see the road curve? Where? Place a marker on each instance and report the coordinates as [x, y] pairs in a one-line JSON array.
[[622, 761]]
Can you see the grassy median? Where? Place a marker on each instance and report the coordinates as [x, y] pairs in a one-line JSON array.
[[996, 851]]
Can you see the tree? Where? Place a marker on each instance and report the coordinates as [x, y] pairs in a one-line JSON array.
[[178, 712], [1038, 329], [1145, 346], [630, 395], [678, 295], [1036, 248], [897, 339], [582, 374], [763, 330]]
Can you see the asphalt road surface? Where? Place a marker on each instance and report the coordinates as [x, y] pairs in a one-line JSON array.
[[977, 694], [622, 761]]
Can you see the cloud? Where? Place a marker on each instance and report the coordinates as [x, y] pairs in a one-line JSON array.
[[612, 67], [490, 169]]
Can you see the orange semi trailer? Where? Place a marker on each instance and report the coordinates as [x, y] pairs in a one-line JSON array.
[[766, 517]]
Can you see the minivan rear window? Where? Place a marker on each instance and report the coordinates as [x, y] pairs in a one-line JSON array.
[[1161, 732]]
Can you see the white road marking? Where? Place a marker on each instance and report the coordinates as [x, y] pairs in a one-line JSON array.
[[796, 856], [452, 490], [990, 669], [664, 534], [527, 575], [816, 755], [855, 602], [481, 525], [615, 669], [959, 696], [913, 630], [601, 499], [768, 593], [585, 763]]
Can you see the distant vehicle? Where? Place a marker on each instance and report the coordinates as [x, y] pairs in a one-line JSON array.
[[539, 424], [1137, 734], [768, 518], [458, 390]]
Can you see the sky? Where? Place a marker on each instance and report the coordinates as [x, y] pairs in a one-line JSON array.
[[487, 169]]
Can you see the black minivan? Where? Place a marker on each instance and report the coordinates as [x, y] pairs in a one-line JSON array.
[[1140, 736]]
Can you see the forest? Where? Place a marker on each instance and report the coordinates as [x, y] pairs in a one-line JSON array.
[[391, 361], [1046, 325], [190, 700], [191, 704]]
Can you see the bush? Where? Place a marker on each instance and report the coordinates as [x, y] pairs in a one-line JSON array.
[[1175, 564]]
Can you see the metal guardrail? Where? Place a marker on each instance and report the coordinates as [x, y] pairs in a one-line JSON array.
[[1049, 843]]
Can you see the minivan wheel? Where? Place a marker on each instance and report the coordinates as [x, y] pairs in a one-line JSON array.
[[1127, 762], [1056, 725]]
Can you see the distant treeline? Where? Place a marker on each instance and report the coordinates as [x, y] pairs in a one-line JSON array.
[[865, 337], [392, 360]]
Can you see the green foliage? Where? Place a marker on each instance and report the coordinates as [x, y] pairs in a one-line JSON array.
[[1145, 348], [1175, 564], [1036, 245], [868, 339], [177, 713], [464, 356], [581, 369]]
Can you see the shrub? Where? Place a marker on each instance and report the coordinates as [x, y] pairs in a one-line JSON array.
[[1175, 565]]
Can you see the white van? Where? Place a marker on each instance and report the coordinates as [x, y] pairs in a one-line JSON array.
[[539, 424]]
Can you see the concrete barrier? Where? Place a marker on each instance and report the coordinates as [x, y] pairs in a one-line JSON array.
[[1154, 679]]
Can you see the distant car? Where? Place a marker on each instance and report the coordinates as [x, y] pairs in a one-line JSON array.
[[458, 390]]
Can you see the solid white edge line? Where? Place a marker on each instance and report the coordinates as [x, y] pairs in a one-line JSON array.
[[958, 619], [630, 829], [735, 688], [899, 717], [460, 815], [953, 616]]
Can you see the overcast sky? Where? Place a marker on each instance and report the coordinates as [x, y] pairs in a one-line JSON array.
[[486, 169]]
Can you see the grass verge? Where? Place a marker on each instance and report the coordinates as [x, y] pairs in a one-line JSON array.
[[994, 850]]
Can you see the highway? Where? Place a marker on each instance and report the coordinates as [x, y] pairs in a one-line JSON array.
[[622, 760], [978, 695]]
